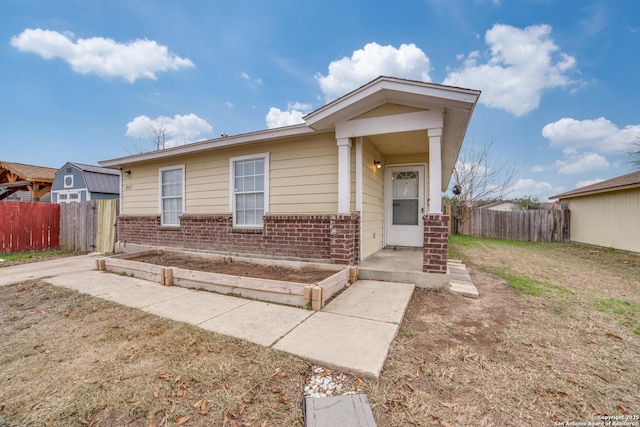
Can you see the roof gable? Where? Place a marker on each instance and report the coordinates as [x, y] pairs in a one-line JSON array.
[[391, 90], [96, 179], [624, 182]]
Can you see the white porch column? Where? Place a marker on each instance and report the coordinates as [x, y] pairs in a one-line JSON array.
[[358, 163], [435, 170], [344, 176]]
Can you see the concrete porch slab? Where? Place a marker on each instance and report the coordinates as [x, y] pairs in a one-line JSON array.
[[259, 322], [373, 300], [400, 265]]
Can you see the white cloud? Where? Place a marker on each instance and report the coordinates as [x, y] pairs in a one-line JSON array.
[[584, 183], [292, 116], [581, 162], [374, 60], [529, 187], [538, 168], [102, 56], [252, 82], [599, 134], [179, 130], [521, 64]]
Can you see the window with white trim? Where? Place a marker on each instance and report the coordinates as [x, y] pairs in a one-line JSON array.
[[171, 195], [249, 184]]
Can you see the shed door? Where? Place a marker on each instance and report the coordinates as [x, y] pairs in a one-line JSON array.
[[404, 194]]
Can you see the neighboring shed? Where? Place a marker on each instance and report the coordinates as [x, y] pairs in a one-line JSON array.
[[75, 182], [16, 177], [606, 214]]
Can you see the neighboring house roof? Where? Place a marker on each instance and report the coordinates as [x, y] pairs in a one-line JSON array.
[[624, 182], [449, 106], [29, 172], [98, 179], [21, 177]]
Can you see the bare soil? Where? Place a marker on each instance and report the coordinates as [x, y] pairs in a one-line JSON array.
[[509, 358], [273, 272]]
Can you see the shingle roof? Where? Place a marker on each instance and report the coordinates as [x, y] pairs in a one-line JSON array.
[[624, 182], [30, 172]]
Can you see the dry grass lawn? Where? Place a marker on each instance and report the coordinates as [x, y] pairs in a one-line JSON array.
[[553, 338]]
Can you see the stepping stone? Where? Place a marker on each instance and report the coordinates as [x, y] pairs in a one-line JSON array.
[[345, 411]]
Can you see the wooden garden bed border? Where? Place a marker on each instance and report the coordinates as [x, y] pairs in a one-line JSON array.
[[299, 294]]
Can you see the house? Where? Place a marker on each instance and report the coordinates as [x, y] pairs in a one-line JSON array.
[[364, 172], [25, 196], [606, 214], [502, 205], [75, 182], [28, 182]]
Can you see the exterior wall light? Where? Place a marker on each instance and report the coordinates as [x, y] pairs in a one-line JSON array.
[[377, 163]]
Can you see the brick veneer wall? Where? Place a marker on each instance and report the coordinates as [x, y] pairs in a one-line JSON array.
[[345, 238], [436, 243], [327, 237]]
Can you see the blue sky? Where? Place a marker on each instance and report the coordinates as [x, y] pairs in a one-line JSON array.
[[85, 80]]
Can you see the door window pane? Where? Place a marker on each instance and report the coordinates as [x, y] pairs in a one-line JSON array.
[[405, 198], [405, 212]]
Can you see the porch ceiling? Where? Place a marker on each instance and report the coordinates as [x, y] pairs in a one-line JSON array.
[[400, 143]]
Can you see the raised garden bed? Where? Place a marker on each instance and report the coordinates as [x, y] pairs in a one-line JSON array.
[[286, 282]]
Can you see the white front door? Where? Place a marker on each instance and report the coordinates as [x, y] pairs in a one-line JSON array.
[[404, 205]]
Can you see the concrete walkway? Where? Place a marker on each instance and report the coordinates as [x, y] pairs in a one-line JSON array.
[[353, 332]]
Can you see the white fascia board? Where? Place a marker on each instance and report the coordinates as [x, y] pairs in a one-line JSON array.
[[406, 122], [212, 144]]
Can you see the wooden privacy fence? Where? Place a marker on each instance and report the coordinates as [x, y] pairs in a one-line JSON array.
[[88, 226], [29, 226], [544, 225]]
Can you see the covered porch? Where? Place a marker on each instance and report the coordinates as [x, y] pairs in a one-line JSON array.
[[397, 144]]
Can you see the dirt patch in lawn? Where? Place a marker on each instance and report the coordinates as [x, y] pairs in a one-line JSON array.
[[273, 272]]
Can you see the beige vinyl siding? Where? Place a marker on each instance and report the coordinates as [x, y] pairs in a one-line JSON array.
[[608, 219], [303, 178], [372, 215], [388, 110], [141, 189]]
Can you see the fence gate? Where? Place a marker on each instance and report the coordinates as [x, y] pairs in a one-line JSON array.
[[88, 226]]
